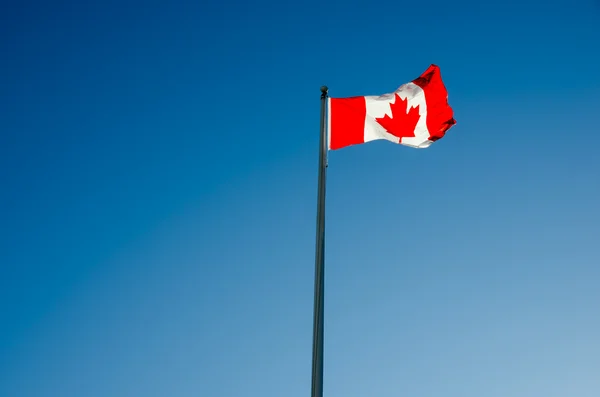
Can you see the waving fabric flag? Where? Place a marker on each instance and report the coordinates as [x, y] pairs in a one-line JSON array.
[[416, 114]]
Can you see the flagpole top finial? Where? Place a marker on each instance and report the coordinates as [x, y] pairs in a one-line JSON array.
[[324, 91]]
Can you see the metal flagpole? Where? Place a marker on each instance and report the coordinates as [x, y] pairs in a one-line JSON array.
[[317, 358]]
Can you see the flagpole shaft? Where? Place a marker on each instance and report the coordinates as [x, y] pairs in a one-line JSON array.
[[318, 319]]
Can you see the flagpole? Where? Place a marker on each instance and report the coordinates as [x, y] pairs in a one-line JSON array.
[[317, 358]]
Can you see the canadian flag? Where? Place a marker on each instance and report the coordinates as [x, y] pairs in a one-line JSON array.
[[416, 114]]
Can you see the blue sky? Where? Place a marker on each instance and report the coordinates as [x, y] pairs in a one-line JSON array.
[[158, 174]]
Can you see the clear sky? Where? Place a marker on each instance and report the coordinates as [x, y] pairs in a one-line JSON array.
[[158, 174]]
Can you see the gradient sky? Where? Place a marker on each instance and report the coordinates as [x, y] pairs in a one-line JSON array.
[[158, 174]]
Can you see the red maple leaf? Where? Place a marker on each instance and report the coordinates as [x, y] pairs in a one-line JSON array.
[[402, 123]]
